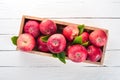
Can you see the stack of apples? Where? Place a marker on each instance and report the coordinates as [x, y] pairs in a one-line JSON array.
[[77, 43]]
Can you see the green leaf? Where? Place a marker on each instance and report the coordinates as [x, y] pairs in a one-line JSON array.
[[45, 38], [85, 44], [14, 40], [77, 40], [81, 28], [61, 56], [54, 55]]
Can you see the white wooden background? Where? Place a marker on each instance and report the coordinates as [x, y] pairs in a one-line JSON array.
[[16, 65]]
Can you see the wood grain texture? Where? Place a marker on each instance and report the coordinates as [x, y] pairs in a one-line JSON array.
[[18, 58], [17, 65], [59, 73], [60, 8]]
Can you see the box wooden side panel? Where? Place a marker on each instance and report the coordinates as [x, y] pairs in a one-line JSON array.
[[63, 23], [104, 48], [33, 18], [22, 25]]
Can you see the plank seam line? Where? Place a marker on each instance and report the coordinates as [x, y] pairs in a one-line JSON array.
[[8, 34], [67, 18], [50, 66]]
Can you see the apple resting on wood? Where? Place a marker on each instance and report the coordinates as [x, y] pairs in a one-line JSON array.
[[48, 27], [77, 53], [32, 27], [98, 38], [25, 42], [56, 43], [70, 32], [94, 53], [42, 45]]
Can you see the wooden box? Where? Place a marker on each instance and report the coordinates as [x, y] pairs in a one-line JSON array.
[[60, 26]]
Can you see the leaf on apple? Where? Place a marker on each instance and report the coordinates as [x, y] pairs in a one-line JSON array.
[[14, 40], [45, 38], [77, 40], [81, 28], [85, 44], [61, 56]]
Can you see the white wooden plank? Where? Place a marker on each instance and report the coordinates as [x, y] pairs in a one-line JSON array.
[[6, 43], [22, 59], [16, 65], [110, 24], [112, 58], [60, 73], [60, 8], [10, 26]]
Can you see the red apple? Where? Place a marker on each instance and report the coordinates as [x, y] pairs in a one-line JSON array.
[[48, 27], [98, 38], [32, 27], [56, 43], [70, 32], [94, 53], [77, 53], [42, 46], [25, 42], [85, 36]]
